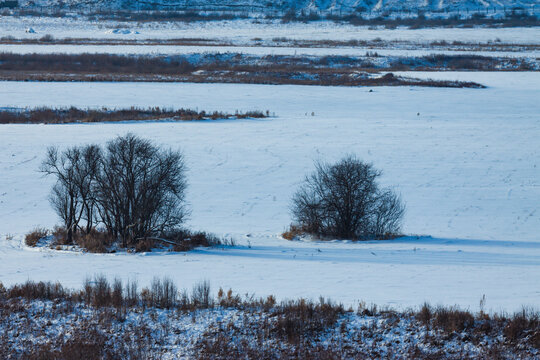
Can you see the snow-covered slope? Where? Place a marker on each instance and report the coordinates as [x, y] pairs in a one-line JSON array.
[[325, 6]]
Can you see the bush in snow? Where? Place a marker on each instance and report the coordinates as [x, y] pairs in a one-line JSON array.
[[344, 200], [32, 238]]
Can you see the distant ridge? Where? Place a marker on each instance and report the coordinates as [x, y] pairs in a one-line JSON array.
[[338, 7]]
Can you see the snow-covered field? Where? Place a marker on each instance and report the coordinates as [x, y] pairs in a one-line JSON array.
[[243, 31], [248, 50], [466, 162]]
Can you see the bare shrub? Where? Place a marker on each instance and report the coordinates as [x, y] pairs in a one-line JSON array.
[[343, 200], [47, 38], [452, 319], [85, 343], [41, 290], [200, 295], [228, 299], [33, 237], [425, 314], [520, 324], [131, 293], [101, 292], [117, 294], [302, 319], [387, 214], [96, 241], [59, 235], [163, 293], [87, 291], [144, 245], [186, 240]]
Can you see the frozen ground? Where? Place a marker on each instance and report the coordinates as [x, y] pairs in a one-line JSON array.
[[464, 160], [242, 31]]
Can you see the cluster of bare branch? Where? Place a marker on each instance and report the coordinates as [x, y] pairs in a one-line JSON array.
[[344, 200], [132, 187]]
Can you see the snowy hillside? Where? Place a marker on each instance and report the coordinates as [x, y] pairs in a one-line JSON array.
[[319, 6]]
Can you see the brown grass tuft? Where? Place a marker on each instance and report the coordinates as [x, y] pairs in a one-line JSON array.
[[293, 232], [33, 237]]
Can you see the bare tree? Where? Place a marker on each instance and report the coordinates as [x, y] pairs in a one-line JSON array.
[[86, 172], [134, 188], [140, 189], [65, 196], [75, 169], [387, 214], [344, 200]]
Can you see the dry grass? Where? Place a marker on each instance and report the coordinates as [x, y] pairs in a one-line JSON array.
[[37, 291], [33, 237], [186, 240], [145, 245], [259, 328], [97, 241], [293, 232], [523, 324], [452, 319], [95, 63], [300, 320]]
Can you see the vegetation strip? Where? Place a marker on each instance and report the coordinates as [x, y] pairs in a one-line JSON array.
[[48, 39], [360, 17], [107, 320], [45, 115], [238, 68]]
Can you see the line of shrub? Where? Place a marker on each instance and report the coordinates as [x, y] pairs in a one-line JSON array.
[[46, 115], [221, 62], [99, 241], [512, 17], [267, 328], [50, 39], [295, 317], [516, 19]]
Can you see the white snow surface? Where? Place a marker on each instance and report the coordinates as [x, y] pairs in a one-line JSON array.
[[242, 31], [247, 50], [466, 162]]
